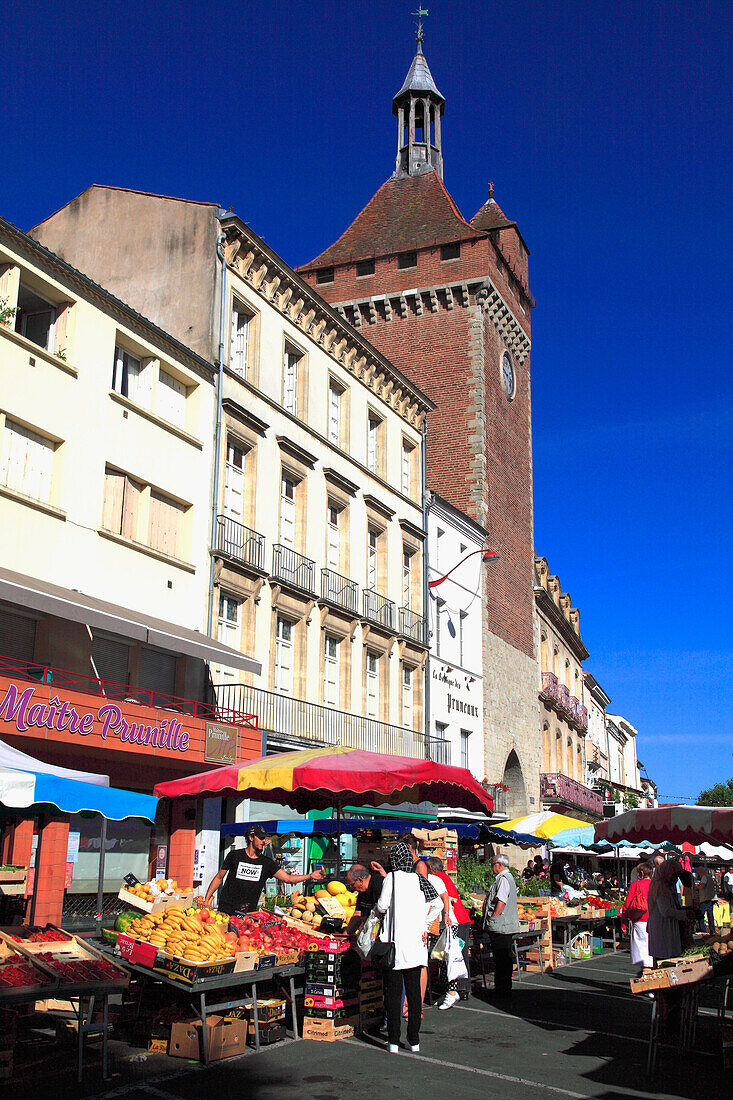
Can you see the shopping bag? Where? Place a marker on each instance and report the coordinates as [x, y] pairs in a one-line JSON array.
[[454, 962], [366, 937], [441, 945]]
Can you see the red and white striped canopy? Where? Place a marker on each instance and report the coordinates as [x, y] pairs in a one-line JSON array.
[[694, 824]]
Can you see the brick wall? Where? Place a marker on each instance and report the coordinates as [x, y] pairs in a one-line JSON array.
[[50, 874]]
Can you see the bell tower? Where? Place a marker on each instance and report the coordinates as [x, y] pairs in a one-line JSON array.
[[419, 108]]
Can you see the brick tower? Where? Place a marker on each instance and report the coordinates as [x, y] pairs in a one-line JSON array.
[[448, 301]]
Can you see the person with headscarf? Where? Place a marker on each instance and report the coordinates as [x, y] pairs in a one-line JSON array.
[[665, 913], [635, 910], [409, 904]]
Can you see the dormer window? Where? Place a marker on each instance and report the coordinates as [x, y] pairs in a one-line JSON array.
[[450, 251], [406, 259], [364, 267], [324, 275]]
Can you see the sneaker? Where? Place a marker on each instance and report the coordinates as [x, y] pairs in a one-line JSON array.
[[448, 1001], [415, 1049], [393, 1048]]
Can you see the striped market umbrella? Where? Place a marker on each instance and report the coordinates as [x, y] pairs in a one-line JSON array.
[[319, 779], [694, 824], [559, 830]]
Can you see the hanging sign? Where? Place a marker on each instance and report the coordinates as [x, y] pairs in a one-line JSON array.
[[221, 744]]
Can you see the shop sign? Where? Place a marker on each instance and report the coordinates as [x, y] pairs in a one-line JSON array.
[[21, 709], [221, 744]]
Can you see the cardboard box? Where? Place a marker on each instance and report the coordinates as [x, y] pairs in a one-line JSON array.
[[329, 1031], [687, 972], [226, 1038], [269, 1033], [269, 1009], [331, 1002], [158, 1046], [658, 979], [13, 874], [329, 989]]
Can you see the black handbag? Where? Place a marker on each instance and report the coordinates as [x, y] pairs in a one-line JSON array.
[[382, 953]]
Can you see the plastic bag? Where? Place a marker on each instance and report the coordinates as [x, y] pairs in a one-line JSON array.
[[367, 934], [441, 946], [454, 961]]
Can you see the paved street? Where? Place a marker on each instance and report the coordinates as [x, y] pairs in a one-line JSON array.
[[578, 1033]]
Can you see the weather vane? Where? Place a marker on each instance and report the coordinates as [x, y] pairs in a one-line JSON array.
[[421, 11]]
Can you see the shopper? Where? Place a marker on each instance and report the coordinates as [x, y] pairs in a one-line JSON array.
[[705, 894], [246, 870], [636, 911], [665, 913], [727, 885], [368, 885], [410, 905], [501, 921], [459, 920], [529, 871], [558, 879]]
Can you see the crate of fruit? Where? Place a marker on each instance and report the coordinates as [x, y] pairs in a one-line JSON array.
[[155, 896], [71, 964], [20, 976]]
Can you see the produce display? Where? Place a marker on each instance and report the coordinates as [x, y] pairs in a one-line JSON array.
[[75, 971], [17, 971], [198, 935], [273, 938], [157, 888], [309, 909], [48, 934]]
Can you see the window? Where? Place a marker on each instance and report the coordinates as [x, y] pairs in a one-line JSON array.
[[406, 259], [372, 558], [165, 525], [465, 756], [26, 462], [407, 455], [374, 428], [35, 318], [333, 543], [407, 700], [364, 267], [234, 482], [239, 348], [121, 504], [170, 399], [441, 734], [406, 579], [324, 275], [450, 251], [131, 377], [438, 536], [335, 395], [462, 616], [330, 670], [228, 633], [157, 674], [287, 511], [284, 656], [372, 684], [290, 381]]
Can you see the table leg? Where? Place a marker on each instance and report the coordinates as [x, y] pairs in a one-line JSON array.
[[292, 1008], [256, 1015], [651, 1057], [105, 1022], [80, 1041], [204, 1031], [613, 928]]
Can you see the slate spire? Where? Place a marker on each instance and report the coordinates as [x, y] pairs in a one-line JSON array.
[[419, 108]]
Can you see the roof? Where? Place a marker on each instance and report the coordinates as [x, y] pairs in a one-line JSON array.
[[490, 216], [408, 213], [419, 79]]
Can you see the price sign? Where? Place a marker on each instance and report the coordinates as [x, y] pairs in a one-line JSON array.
[[131, 879], [136, 952]]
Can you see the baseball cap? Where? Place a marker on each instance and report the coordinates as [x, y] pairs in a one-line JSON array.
[[258, 831]]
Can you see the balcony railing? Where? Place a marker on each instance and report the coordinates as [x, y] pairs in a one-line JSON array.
[[378, 609], [63, 680], [296, 719], [437, 750], [550, 687], [293, 568], [498, 793], [239, 542], [555, 787], [413, 626], [583, 717], [340, 590], [563, 699]]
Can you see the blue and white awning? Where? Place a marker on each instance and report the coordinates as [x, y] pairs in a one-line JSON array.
[[26, 790]]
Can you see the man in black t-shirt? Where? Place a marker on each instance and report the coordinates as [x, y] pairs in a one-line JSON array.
[[247, 870]]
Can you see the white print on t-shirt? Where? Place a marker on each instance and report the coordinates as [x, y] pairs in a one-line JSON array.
[[250, 871]]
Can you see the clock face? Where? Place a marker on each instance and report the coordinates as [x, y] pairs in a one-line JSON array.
[[507, 376]]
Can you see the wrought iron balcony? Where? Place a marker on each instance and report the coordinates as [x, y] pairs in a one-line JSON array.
[[556, 787], [340, 590], [563, 699], [311, 723], [240, 543], [550, 687], [293, 568], [498, 793], [413, 626], [583, 717], [378, 609]]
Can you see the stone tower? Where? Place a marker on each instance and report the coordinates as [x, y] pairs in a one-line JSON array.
[[448, 301]]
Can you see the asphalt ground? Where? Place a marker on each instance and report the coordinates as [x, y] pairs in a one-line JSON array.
[[578, 1032]]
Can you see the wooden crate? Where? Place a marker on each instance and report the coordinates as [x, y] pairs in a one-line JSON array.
[[541, 958]]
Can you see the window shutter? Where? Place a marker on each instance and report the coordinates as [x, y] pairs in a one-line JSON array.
[[111, 660], [114, 491], [157, 673], [27, 461], [165, 525], [130, 508], [17, 636], [170, 399], [234, 483]]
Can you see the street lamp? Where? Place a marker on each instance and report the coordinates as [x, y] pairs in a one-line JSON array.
[[486, 557]]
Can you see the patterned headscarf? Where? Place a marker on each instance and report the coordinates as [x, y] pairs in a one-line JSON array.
[[400, 859]]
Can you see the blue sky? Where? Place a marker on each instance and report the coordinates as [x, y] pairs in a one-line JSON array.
[[605, 129]]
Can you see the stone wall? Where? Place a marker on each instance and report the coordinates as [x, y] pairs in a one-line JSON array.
[[512, 720]]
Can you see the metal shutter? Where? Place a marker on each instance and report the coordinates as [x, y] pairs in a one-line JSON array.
[[111, 659], [157, 673], [17, 636]]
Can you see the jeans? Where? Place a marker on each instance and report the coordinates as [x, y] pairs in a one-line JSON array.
[[501, 949], [706, 910], [393, 980]]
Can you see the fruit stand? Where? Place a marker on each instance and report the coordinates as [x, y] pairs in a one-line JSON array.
[[36, 963]]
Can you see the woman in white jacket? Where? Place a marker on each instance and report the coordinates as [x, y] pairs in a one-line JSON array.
[[413, 903]]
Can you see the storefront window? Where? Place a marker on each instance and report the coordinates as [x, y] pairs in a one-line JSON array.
[[127, 850]]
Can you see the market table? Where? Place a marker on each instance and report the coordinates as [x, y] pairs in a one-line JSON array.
[[522, 942], [221, 984], [566, 923]]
